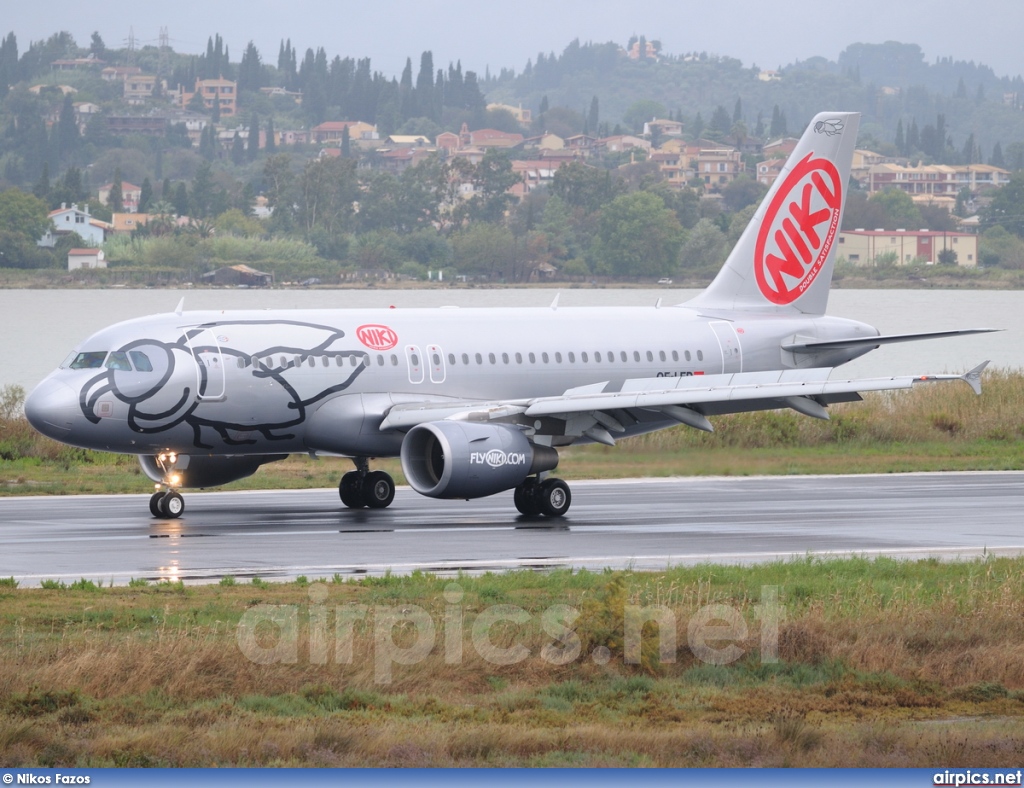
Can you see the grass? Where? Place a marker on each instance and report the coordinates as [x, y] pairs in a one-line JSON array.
[[880, 663], [928, 428]]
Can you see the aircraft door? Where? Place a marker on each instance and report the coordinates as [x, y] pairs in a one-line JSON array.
[[436, 360], [210, 372], [729, 342], [415, 360]]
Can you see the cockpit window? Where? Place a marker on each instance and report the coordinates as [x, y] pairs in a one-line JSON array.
[[141, 361], [118, 360], [91, 360]]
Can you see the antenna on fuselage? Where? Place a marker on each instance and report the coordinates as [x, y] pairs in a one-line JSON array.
[[180, 307], [554, 304], [657, 304]]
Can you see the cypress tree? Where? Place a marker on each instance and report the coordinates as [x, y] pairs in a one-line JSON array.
[[116, 199], [271, 140], [254, 137]]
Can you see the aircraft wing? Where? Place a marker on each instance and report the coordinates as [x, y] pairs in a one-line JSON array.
[[813, 345], [595, 411]]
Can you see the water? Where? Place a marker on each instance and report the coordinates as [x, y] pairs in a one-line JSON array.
[[41, 327]]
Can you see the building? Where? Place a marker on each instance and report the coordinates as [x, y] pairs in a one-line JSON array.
[[140, 88], [86, 258], [146, 125], [333, 130], [126, 223], [119, 73], [936, 179], [130, 195], [717, 167], [222, 92], [524, 116], [870, 247], [769, 170], [238, 275], [67, 220], [492, 138]]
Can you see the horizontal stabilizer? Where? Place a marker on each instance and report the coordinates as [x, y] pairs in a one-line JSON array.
[[855, 342]]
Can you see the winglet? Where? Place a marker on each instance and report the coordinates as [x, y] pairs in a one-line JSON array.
[[554, 304], [180, 307], [973, 378]]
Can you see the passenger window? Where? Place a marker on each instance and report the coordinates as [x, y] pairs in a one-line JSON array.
[[465, 359], [479, 359], [700, 355], [92, 360], [142, 363], [491, 358], [414, 359], [533, 359], [661, 355], [583, 355], [356, 360], [650, 356], [636, 355], [558, 358], [623, 356], [255, 362], [675, 355], [687, 355], [118, 360], [504, 358], [572, 357], [380, 359], [394, 360], [436, 359], [451, 359], [519, 358], [597, 356], [544, 357], [312, 361], [241, 363], [326, 361]]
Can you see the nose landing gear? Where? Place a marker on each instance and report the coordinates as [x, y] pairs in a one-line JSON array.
[[167, 503], [365, 488]]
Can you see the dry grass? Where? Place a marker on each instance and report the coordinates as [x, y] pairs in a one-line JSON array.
[[881, 663]]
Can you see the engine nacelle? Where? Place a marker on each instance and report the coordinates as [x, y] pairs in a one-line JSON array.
[[459, 459], [204, 471]]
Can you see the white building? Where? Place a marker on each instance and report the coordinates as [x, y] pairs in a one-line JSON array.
[[75, 220], [86, 258]]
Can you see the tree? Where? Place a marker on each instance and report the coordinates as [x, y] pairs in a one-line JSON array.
[[1007, 206], [145, 196], [253, 147], [492, 178], [741, 192], [67, 131], [594, 116], [24, 219], [641, 111], [237, 150], [639, 237], [705, 249], [271, 146], [116, 198]]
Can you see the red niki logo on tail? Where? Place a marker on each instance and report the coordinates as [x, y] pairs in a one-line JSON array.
[[798, 230]]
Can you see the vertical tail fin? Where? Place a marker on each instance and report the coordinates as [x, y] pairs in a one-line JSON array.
[[784, 259]]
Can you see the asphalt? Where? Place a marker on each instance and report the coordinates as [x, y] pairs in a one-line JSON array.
[[644, 524]]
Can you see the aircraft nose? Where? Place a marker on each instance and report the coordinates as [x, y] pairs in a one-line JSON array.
[[51, 408]]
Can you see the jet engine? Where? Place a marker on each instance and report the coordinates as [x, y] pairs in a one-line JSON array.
[[459, 459], [200, 471]]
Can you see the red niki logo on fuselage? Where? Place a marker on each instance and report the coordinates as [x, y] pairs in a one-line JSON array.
[[798, 230], [377, 337]]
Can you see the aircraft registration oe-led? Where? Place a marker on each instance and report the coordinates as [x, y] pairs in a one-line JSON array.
[[478, 401]]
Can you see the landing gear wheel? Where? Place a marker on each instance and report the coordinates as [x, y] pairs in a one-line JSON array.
[[154, 503], [351, 490], [378, 490], [525, 498], [172, 505], [554, 497]]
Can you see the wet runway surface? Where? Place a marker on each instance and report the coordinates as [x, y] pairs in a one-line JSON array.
[[645, 524]]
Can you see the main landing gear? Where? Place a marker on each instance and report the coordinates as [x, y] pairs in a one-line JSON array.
[[365, 488], [550, 497], [167, 503]]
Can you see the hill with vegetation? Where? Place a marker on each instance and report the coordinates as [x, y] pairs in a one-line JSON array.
[[335, 212]]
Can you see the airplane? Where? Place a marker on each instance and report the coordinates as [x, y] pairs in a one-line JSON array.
[[479, 401]]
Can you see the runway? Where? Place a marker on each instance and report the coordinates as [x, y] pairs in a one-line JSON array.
[[644, 524]]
